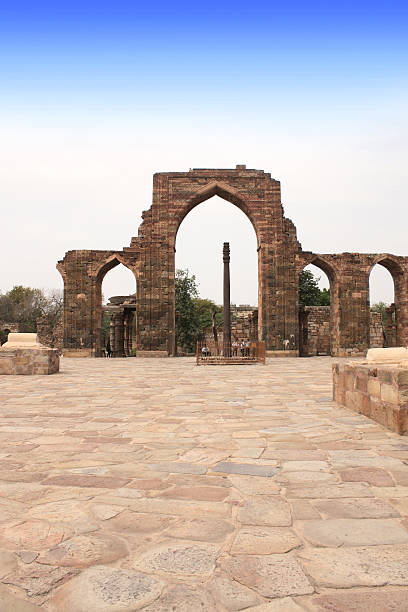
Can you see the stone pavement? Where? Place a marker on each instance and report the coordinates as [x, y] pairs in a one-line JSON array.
[[149, 484]]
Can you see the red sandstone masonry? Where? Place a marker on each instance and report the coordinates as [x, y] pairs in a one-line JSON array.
[[151, 257], [379, 392]]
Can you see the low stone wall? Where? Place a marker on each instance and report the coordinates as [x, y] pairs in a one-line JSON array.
[[29, 361], [379, 391]]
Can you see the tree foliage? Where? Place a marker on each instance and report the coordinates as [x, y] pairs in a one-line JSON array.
[[24, 305], [381, 307], [310, 293], [193, 314]]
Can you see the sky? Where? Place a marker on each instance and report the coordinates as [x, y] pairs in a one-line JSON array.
[[96, 97]]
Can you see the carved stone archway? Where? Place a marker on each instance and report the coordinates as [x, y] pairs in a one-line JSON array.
[[151, 256]]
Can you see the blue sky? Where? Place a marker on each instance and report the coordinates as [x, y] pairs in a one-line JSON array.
[[96, 97]]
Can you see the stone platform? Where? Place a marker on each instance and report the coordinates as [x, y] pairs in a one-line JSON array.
[[23, 354], [131, 484], [377, 390]]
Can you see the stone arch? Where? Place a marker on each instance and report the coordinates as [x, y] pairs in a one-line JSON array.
[[396, 270], [332, 274], [99, 271], [223, 191]]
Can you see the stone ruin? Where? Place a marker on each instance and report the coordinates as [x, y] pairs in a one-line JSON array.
[[24, 354], [151, 257]]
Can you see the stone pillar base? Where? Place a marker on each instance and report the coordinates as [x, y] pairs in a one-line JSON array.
[[152, 354], [29, 361]]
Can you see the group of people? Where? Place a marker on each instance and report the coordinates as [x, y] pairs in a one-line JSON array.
[[238, 347], [244, 347]]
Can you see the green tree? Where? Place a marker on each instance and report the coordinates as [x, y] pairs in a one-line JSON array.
[[310, 293], [381, 307], [186, 312], [23, 305], [204, 311]]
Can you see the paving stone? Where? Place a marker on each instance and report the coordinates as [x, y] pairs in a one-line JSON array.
[[38, 580], [8, 563], [264, 541], [33, 534], [284, 604], [253, 485], [356, 508], [85, 550], [232, 595], [179, 558], [205, 530], [360, 566], [347, 489], [187, 509], [354, 532], [106, 589], [302, 510], [183, 598], [196, 493], [265, 510], [181, 468], [372, 600], [375, 476], [307, 466], [308, 478], [73, 480], [270, 575], [138, 522], [143, 484], [245, 468], [104, 511], [10, 603]]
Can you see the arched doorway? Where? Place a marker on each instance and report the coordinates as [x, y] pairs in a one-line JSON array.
[[115, 310], [199, 245], [384, 295], [199, 242], [317, 300]]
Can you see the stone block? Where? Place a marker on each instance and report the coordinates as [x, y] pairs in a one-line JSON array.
[[27, 357], [392, 354], [373, 387], [389, 394]]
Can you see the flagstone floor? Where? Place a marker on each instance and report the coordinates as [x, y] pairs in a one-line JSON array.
[[150, 484]]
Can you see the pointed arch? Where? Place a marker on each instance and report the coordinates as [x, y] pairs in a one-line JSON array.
[[224, 191]]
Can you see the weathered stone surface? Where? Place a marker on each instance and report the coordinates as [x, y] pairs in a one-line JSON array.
[[375, 600], [253, 485], [10, 603], [8, 563], [356, 508], [270, 575], [197, 493], [245, 468], [77, 480], [232, 595], [360, 566], [265, 510], [138, 522], [85, 550], [205, 530], [183, 558], [33, 534], [27, 556], [374, 476], [39, 580], [284, 604], [106, 589], [104, 511], [179, 468], [183, 598], [264, 541], [354, 532], [347, 489], [305, 466]]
